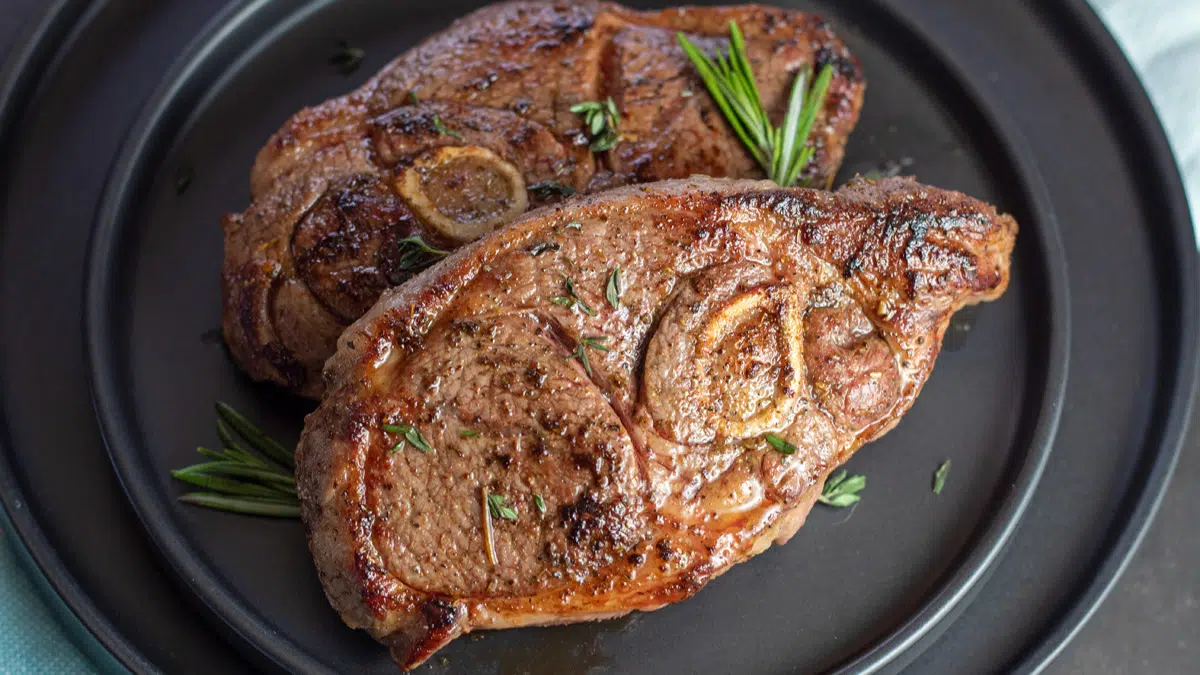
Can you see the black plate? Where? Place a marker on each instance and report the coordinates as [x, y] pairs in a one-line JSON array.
[[874, 570], [154, 251]]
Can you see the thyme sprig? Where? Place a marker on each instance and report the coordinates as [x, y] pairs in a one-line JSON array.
[[841, 491], [781, 151], [594, 342], [602, 121]]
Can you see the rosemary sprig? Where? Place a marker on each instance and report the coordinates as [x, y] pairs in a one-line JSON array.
[[416, 255], [255, 436], [601, 119], [841, 491], [239, 481], [595, 342], [782, 151]]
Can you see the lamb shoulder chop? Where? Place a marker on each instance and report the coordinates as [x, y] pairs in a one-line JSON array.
[[466, 131], [610, 402]]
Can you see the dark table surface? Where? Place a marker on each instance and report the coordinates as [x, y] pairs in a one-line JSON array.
[[1151, 621]]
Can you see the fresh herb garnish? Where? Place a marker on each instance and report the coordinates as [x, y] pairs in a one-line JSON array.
[[412, 97], [409, 434], [841, 491], [779, 444], [782, 151], [574, 295], [601, 119], [595, 342], [441, 128], [548, 188], [467, 433], [539, 503], [563, 301], [541, 247], [574, 225], [416, 255], [238, 480], [346, 59], [499, 509], [613, 291], [939, 477]]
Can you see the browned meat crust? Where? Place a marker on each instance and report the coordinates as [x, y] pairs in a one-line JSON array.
[[744, 310], [319, 240]]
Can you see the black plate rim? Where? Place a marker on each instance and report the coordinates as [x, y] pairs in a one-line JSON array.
[[1162, 177], [36, 53], [920, 629]]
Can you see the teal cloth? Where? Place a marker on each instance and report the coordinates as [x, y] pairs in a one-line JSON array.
[[31, 641], [1161, 37]]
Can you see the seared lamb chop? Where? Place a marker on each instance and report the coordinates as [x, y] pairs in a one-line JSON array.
[[611, 401], [466, 131]]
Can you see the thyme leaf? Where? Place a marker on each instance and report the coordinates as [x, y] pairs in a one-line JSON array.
[[939, 477], [441, 128], [613, 290], [496, 503]]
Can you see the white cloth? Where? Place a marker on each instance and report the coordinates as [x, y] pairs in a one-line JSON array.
[[1162, 40]]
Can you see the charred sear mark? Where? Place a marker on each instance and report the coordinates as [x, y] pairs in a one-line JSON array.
[[582, 520], [842, 63], [663, 546]]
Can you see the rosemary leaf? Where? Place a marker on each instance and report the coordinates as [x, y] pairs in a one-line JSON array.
[[539, 503], [254, 506], [255, 436], [226, 486], [235, 469], [780, 444]]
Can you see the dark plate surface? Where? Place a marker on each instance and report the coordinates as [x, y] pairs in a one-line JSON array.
[[879, 566], [992, 412]]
